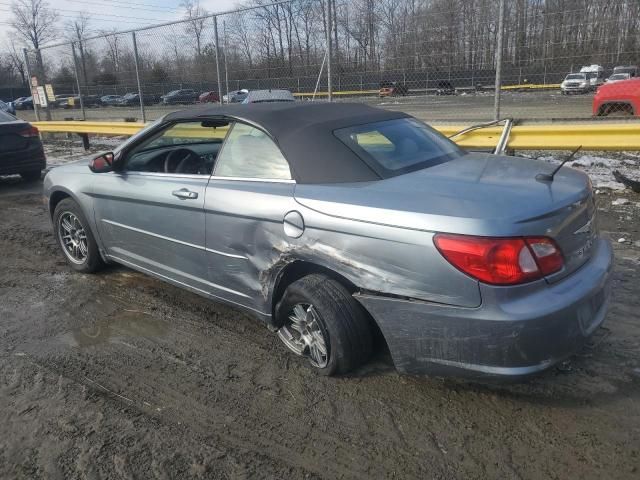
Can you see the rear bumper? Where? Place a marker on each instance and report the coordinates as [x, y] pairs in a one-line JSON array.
[[22, 161], [516, 332]]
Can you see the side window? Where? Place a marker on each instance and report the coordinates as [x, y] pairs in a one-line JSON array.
[[182, 148], [249, 153]]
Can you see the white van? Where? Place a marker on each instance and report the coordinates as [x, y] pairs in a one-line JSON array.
[[595, 75]]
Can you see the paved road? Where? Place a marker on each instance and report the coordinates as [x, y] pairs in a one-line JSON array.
[[459, 108]]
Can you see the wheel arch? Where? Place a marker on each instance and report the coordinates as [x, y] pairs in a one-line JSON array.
[[299, 268]]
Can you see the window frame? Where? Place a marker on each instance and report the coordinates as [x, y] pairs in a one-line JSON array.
[[251, 179], [125, 153]]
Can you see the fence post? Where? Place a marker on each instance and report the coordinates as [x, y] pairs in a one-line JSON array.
[[496, 100], [42, 78], [224, 53], [328, 39], [215, 33], [28, 69], [75, 71], [137, 63]]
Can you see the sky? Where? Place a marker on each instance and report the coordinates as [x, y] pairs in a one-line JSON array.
[[119, 14]]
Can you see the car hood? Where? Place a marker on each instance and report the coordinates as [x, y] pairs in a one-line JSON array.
[[478, 194]]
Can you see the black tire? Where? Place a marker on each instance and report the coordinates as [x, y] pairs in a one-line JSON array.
[[93, 261], [31, 175], [343, 321]]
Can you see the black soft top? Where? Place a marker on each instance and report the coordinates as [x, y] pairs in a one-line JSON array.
[[304, 133]]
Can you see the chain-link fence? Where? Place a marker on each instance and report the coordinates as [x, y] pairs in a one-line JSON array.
[[437, 59]]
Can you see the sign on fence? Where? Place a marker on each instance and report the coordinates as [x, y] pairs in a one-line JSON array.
[[49, 89], [42, 96]]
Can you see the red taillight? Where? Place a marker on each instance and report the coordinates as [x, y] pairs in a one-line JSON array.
[[501, 261], [29, 132]]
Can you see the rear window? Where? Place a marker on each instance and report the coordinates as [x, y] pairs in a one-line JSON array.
[[394, 147], [6, 117]]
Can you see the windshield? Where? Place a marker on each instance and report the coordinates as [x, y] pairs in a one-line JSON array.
[[394, 147], [576, 76], [619, 76]]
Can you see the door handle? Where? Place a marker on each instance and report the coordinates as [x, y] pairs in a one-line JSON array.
[[184, 194]]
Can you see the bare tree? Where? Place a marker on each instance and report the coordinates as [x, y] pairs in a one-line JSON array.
[[77, 31], [35, 23], [15, 60], [195, 24]]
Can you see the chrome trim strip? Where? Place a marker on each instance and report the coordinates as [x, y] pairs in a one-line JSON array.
[[173, 240], [205, 178], [135, 266], [251, 179]]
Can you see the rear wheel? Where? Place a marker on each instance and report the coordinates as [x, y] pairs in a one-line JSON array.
[[324, 323], [75, 237], [30, 176]]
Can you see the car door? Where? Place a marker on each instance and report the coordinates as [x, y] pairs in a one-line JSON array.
[[247, 199], [150, 215]]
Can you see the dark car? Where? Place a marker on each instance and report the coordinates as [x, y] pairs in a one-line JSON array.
[[209, 97], [20, 148], [445, 88], [184, 96], [23, 103], [109, 100], [133, 99], [7, 107], [392, 89]]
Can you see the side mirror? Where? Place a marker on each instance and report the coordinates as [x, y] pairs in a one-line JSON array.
[[102, 163]]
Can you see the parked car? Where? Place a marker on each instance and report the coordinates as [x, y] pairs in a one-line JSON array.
[[632, 70], [392, 89], [618, 98], [23, 103], [21, 150], [209, 97], [7, 107], [110, 100], [183, 96], [133, 99], [237, 96], [575, 83], [264, 96], [445, 88], [331, 221], [617, 77]]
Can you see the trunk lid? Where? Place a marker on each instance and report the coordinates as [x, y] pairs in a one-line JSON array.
[[10, 139], [476, 194]]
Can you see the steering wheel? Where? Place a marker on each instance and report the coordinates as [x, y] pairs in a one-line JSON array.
[[178, 160]]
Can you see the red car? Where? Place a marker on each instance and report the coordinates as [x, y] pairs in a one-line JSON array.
[[618, 98], [209, 97]]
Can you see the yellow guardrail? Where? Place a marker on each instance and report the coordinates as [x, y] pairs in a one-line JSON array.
[[596, 136], [532, 86], [100, 128]]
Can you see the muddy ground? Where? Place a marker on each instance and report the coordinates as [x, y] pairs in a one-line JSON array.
[[117, 375]]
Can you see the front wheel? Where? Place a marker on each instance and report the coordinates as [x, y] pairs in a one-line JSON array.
[[324, 323], [74, 237]]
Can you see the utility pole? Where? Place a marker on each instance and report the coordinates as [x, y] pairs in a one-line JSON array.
[[496, 100]]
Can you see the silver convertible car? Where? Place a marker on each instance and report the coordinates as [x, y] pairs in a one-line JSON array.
[[338, 224]]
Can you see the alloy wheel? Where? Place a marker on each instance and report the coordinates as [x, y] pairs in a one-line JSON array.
[[303, 335], [73, 238]]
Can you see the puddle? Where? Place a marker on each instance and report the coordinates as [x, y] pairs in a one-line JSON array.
[[128, 323]]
